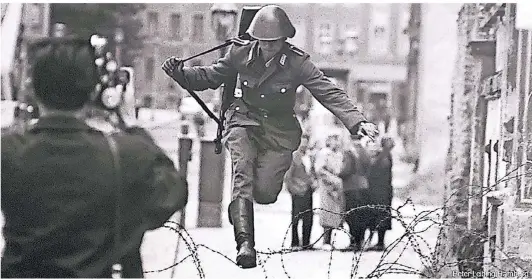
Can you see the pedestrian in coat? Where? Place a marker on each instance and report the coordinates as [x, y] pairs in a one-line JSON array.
[[262, 130], [300, 184], [381, 191], [354, 174], [66, 197], [329, 163]]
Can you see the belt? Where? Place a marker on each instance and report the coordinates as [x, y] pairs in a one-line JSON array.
[[266, 113]]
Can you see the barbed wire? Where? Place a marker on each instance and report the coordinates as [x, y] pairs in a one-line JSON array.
[[414, 227], [433, 260]]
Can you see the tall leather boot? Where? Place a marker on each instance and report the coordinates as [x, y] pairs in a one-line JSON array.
[[241, 217]]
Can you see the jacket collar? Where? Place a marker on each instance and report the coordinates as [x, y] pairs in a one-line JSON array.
[[280, 58], [59, 122], [253, 53]]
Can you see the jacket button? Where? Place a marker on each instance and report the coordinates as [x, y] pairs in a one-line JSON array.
[[262, 95], [245, 82], [237, 108], [283, 90]]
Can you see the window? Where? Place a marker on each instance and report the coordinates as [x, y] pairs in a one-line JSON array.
[[153, 23], [197, 28], [379, 31], [325, 38], [36, 17], [150, 65], [351, 37], [175, 26], [403, 40], [403, 106]]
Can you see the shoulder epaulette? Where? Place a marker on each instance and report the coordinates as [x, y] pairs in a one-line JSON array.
[[240, 42], [295, 49]]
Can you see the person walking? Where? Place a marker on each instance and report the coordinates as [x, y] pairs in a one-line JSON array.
[[381, 191], [300, 183], [356, 191], [329, 163]]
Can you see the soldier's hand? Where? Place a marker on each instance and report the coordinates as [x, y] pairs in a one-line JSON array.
[[368, 129], [172, 66]]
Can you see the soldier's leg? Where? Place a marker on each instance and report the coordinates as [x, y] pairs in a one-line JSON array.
[[271, 168], [243, 154], [243, 157]]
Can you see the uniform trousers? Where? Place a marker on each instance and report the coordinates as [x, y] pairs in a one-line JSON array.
[[258, 166]]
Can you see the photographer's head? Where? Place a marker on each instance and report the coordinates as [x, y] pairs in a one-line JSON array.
[[64, 74]]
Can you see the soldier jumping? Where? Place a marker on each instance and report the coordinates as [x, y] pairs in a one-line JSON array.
[[262, 129]]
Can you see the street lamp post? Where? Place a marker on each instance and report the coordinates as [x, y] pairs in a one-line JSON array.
[[212, 165]]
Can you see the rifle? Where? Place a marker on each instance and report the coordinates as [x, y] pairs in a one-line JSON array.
[[229, 86], [248, 13]]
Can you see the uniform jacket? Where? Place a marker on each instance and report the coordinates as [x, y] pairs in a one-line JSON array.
[[59, 197], [266, 95], [299, 179]]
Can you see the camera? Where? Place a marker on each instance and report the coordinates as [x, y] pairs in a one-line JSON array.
[[113, 80]]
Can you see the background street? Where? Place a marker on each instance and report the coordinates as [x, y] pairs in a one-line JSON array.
[[216, 247], [272, 234]]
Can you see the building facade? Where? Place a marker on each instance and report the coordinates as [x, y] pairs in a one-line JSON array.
[[177, 30], [362, 46], [35, 23], [431, 64], [489, 168]]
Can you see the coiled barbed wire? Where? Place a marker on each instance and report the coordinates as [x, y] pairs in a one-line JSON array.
[[411, 238]]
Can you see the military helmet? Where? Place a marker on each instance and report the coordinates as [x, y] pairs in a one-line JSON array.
[[271, 23]]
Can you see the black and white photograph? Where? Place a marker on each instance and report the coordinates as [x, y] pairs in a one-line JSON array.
[[266, 140]]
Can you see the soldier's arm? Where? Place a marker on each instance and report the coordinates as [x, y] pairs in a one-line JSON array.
[[330, 96], [204, 77]]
